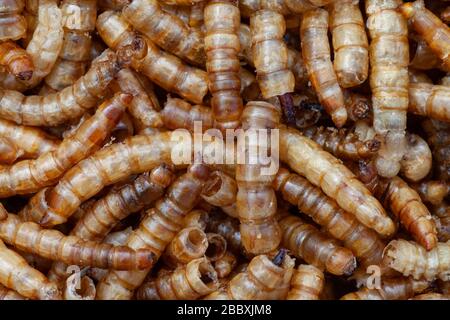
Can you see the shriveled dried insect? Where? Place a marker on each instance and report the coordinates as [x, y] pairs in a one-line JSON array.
[[323, 170], [306, 284], [16, 274], [71, 249], [316, 54], [145, 106], [29, 176], [72, 101], [75, 52], [189, 244], [315, 247], [430, 100], [164, 69], [16, 60], [33, 142], [12, 24], [43, 48], [390, 289], [363, 242], [101, 216], [411, 259], [263, 279], [52, 206], [255, 200], [403, 201], [178, 113], [192, 281], [166, 30], [389, 59], [84, 289], [222, 47], [430, 27], [270, 54], [350, 44], [342, 143], [157, 230]]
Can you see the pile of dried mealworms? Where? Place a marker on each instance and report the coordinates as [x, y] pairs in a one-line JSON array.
[[224, 149]]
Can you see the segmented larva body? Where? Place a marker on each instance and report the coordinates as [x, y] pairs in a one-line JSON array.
[[192, 281], [364, 242], [391, 289], [145, 106], [107, 166], [16, 274], [162, 68], [294, 58], [350, 44], [313, 246], [225, 265], [403, 201], [406, 204], [217, 246], [270, 54], [52, 244], [9, 152], [227, 227], [411, 259], [255, 201], [316, 54], [118, 238], [389, 59], [43, 48], [263, 279], [221, 191], [104, 214], [79, 18], [7, 294], [342, 143], [178, 113], [197, 218], [325, 171], [69, 103], [432, 191], [189, 244], [417, 161], [29, 176], [285, 7], [156, 231], [16, 60], [84, 289], [166, 30], [32, 141], [222, 46], [196, 14], [430, 28], [182, 12], [306, 284], [13, 25], [116, 5], [430, 100], [31, 16]]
